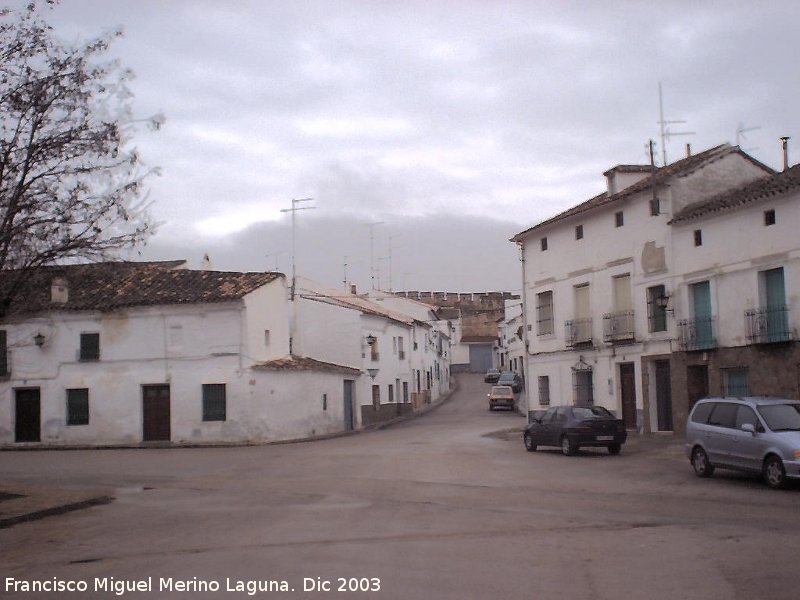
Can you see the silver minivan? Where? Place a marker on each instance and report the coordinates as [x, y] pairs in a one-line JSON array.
[[759, 435]]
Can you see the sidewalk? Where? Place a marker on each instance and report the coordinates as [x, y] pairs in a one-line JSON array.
[[27, 503]]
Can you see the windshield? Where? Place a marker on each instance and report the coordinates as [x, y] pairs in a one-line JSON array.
[[781, 417], [591, 412]]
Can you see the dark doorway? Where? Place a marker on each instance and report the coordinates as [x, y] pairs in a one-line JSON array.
[[28, 415], [663, 395], [155, 413], [627, 385], [696, 383], [348, 405]]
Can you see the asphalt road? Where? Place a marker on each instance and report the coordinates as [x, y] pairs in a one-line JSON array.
[[446, 506]]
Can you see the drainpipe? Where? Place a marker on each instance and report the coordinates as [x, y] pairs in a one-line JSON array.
[[525, 365]]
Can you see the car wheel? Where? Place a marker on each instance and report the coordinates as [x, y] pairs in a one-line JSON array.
[[568, 447], [529, 445], [614, 448], [774, 473], [702, 468]]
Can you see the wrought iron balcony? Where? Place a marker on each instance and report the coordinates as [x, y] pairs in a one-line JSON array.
[[618, 327], [768, 325], [578, 332], [697, 334]]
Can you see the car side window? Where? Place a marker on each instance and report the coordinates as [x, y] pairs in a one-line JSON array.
[[701, 412], [562, 414], [724, 415], [745, 414], [548, 416]]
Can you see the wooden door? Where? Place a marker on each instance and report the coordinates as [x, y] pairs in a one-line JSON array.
[[155, 413], [27, 415], [627, 383], [348, 405], [663, 395]]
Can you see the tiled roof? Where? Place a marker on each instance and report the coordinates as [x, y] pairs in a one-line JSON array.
[[113, 285], [629, 169], [766, 187], [302, 363], [679, 168], [311, 290]]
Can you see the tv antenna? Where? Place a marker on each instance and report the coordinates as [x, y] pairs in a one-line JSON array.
[[665, 132], [293, 210], [740, 133]]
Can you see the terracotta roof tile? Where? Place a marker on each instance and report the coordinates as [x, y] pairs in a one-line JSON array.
[[113, 285], [766, 187], [303, 363], [679, 168]]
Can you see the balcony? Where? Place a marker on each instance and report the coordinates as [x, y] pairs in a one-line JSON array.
[[578, 332], [768, 325], [697, 334], [618, 327]]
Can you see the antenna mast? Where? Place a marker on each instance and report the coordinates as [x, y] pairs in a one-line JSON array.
[[665, 132]]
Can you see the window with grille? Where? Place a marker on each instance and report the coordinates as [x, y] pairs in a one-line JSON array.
[[544, 313], [214, 402], [735, 382], [544, 390], [78, 406], [656, 314]]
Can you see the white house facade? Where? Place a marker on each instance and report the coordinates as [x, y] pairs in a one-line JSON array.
[[596, 283], [129, 353]]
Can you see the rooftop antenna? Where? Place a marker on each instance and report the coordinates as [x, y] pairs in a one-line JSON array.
[[293, 210], [665, 132], [740, 134], [372, 251]]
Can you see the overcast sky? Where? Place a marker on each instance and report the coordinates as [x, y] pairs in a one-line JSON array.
[[454, 124]]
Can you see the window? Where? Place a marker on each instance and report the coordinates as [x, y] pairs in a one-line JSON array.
[[405, 391], [735, 382], [544, 390], [3, 353], [374, 355], [656, 314], [544, 243], [324, 401], [579, 232], [78, 406], [214, 403], [698, 237], [401, 351], [655, 207], [90, 346], [619, 219], [376, 397], [266, 337], [544, 313], [391, 393], [583, 387], [769, 217]]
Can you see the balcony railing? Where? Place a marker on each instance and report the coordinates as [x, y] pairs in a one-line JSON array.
[[697, 334], [401, 354], [618, 327], [578, 332], [768, 325]]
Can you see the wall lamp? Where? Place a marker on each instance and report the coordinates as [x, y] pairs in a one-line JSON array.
[[662, 302], [371, 339], [38, 339]]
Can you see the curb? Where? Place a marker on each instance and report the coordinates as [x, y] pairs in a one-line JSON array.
[[55, 510]]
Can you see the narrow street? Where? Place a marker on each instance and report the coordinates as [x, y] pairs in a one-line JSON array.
[[445, 506]]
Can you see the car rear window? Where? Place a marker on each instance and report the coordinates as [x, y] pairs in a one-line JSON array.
[[701, 412], [781, 417], [590, 412]]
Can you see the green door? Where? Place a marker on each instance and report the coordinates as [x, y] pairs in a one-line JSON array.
[[701, 298], [777, 325]]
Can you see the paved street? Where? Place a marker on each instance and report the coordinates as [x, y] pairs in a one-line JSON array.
[[444, 506]]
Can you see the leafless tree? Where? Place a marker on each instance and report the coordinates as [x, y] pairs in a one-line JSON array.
[[71, 184]]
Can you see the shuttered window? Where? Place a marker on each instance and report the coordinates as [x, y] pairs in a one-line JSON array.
[[214, 402], [78, 406], [90, 346]]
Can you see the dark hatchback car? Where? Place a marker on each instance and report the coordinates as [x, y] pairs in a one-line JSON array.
[[512, 379], [573, 427]]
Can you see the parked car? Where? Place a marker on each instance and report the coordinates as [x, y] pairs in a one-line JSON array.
[[492, 375], [512, 379], [571, 427], [757, 435], [501, 395]]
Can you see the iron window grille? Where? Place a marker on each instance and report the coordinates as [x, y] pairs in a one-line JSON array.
[[578, 332], [697, 334], [768, 325], [214, 402], [78, 406], [90, 346], [618, 327]]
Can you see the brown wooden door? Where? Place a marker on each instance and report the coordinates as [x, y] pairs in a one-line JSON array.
[[663, 395], [27, 415], [627, 383], [697, 383], [155, 413]]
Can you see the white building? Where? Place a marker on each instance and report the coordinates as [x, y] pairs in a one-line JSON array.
[[122, 353], [595, 280]]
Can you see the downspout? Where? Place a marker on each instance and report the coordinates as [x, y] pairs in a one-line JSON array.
[[525, 365]]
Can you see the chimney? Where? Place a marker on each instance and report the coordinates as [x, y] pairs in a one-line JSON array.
[[353, 289], [688, 150], [59, 291], [785, 144]]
